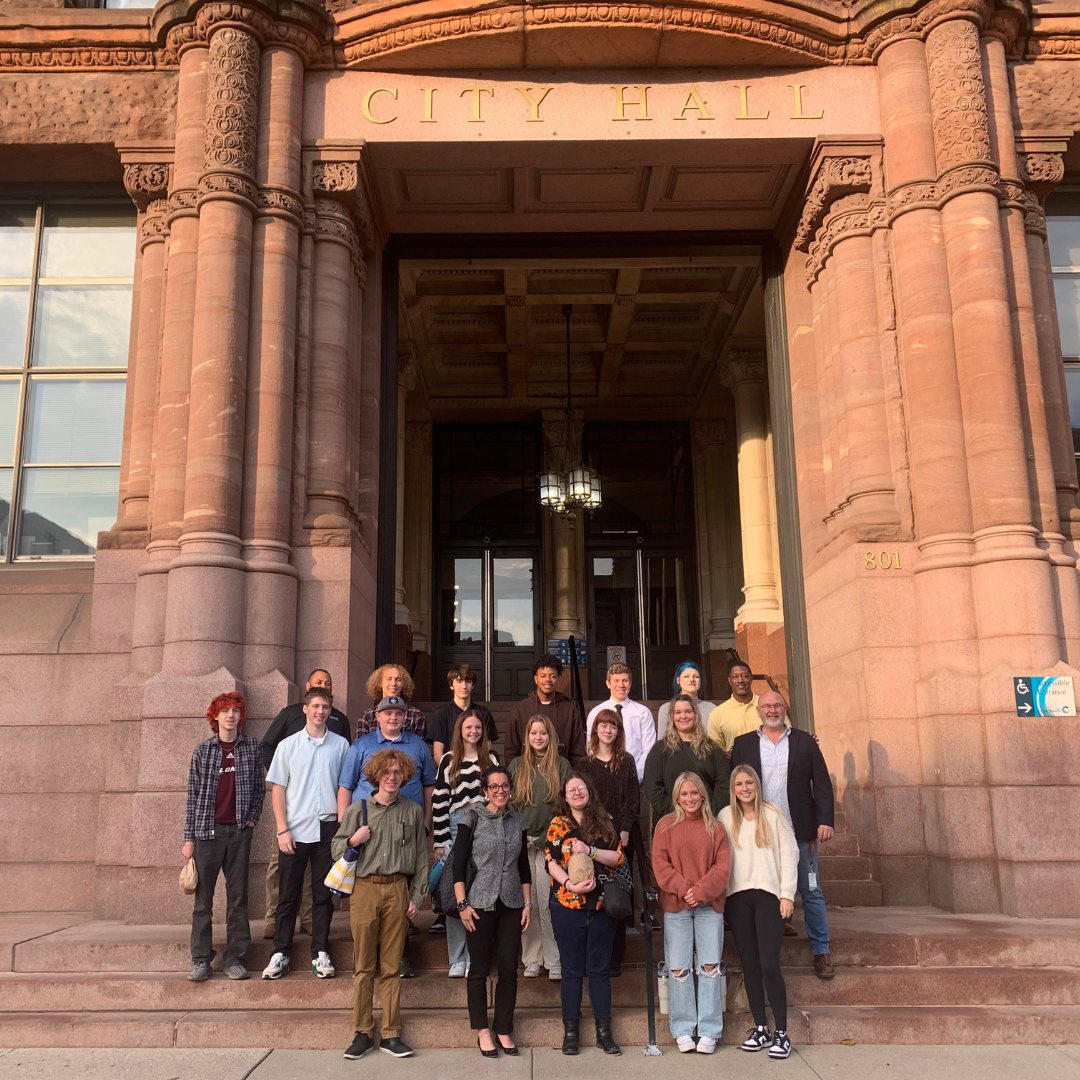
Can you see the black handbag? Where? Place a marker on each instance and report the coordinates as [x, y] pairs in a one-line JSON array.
[[443, 899], [618, 892]]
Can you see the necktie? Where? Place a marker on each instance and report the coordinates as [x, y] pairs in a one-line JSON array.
[[618, 709]]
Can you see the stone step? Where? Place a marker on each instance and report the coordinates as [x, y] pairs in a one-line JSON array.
[[842, 843], [331, 1029], [853, 893], [844, 868], [169, 992]]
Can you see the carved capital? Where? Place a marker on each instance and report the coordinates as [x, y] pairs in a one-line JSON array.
[[342, 182], [744, 365], [275, 201], [418, 436], [155, 224], [926, 194], [835, 178], [918, 24], [146, 182], [957, 94], [1041, 171], [1034, 215], [853, 215], [708, 433], [408, 367], [183, 202]]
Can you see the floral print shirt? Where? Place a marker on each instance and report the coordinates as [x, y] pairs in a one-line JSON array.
[[561, 834]]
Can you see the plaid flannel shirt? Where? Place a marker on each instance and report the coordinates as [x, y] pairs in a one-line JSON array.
[[202, 785], [415, 721]]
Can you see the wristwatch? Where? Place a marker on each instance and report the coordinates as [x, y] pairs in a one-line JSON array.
[[528, 904], [462, 905]]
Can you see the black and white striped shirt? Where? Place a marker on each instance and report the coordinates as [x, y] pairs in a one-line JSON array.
[[445, 800]]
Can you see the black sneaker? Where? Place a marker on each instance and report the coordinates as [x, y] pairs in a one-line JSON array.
[[758, 1038], [360, 1046], [438, 926], [395, 1047], [781, 1046]]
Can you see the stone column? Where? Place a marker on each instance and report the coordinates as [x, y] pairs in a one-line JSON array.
[[205, 617], [717, 503], [166, 499], [408, 375], [338, 263], [417, 529], [147, 183], [562, 442], [1015, 600], [268, 463], [746, 375], [947, 628]]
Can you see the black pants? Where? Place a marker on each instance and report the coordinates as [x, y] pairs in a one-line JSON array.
[[754, 916], [584, 939], [228, 851], [291, 882], [497, 937]]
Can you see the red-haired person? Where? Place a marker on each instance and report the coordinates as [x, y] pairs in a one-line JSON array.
[[224, 803]]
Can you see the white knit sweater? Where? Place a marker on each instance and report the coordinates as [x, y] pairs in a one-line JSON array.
[[772, 869]]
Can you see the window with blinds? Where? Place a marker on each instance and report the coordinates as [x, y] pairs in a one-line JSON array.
[[66, 272]]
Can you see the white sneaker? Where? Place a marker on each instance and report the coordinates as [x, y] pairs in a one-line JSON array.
[[322, 966], [278, 966], [532, 971], [457, 971], [706, 1046], [555, 974], [685, 1043]]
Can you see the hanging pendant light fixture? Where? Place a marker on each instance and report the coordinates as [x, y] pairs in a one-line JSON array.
[[579, 487]]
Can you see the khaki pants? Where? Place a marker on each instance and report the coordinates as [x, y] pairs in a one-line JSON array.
[[272, 890], [379, 929], [538, 942]]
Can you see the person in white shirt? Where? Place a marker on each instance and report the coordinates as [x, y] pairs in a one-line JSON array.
[[640, 732], [304, 775]]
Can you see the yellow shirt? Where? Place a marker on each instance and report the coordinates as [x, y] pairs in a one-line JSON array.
[[732, 718]]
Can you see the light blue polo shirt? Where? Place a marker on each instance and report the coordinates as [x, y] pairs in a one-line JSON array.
[[367, 746], [308, 770]]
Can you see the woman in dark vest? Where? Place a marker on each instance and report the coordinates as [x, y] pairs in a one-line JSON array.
[[686, 748], [495, 909]]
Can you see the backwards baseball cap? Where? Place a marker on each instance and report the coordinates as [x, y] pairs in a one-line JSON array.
[[391, 702]]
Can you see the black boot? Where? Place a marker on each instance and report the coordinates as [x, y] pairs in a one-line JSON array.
[[604, 1039], [570, 1037]]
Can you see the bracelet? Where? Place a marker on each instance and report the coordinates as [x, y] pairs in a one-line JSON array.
[[283, 832], [592, 852], [462, 905], [528, 904]]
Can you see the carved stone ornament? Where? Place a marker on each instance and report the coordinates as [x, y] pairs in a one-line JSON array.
[[836, 177], [1041, 171], [744, 365], [107, 58], [853, 215], [146, 182], [303, 39], [918, 24], [335, 176], [341, 182], [232, 101], [933, 195], [957, 94], [418, 435], [155, 225], [1034, 215], [276, 201], [408, 367], [183, 203], [708, 433]]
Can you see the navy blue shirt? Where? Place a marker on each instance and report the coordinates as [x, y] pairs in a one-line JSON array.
[[367, 746]]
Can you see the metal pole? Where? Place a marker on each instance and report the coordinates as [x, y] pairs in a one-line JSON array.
[[487, 607], [648, 906], [642, 636]]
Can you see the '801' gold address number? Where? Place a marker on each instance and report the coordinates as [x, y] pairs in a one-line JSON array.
[[882, 560]]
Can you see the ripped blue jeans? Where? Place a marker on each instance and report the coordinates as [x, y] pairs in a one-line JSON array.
[[699, 930]]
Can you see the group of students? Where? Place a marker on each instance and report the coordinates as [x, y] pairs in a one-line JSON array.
[[529, 845]]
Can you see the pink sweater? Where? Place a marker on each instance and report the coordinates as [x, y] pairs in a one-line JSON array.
[[684, 857]]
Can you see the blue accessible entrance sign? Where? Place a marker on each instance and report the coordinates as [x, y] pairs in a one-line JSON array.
[[1038, 695]]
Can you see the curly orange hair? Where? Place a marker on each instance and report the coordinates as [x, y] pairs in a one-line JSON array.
[[233, 700]]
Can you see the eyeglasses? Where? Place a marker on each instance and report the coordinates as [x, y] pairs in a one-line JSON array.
[[498, 787], [577, 791]]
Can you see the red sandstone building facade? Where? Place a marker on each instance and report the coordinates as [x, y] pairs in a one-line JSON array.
[[815, 358]]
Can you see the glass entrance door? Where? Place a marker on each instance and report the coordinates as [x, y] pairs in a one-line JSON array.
[[640, 607], [489, 618]]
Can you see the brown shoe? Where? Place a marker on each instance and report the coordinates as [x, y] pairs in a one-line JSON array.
[[789, 930], [270, 929], [305, 928], [823, 968]]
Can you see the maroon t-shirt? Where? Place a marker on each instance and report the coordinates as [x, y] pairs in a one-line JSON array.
[[225, 806]]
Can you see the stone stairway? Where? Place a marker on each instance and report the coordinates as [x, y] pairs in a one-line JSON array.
[[903, 976]]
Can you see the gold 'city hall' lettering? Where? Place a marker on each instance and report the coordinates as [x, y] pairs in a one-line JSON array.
[[534, 97], [365, 106]]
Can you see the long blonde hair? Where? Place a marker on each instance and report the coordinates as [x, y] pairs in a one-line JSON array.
[[457, 746], [762, 832], [700, 742], [547, 765], [669, 821]]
